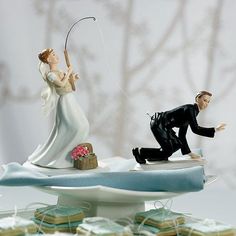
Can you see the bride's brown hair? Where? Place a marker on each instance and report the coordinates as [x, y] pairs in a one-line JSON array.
[[43, 56]]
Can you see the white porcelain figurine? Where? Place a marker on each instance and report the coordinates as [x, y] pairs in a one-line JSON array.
[[71, 126]]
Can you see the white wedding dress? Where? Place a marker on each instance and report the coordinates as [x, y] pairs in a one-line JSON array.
[[71, 128]]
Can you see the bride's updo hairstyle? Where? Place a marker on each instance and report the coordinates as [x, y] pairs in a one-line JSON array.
[[43, 56]]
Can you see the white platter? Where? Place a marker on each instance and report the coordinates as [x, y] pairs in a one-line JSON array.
[[52, 172], [172, 164], [107, 194], [109, 202]]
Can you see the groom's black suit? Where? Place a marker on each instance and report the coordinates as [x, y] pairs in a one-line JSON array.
[[162, 124]]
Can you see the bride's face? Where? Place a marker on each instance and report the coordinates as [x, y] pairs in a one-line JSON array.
[[53, 58]]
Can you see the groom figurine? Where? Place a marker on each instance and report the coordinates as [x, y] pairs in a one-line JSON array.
[[162, 124]]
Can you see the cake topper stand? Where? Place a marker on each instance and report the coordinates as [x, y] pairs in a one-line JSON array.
[[111, 202]]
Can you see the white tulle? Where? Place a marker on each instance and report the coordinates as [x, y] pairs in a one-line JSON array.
[[48, 95], [49, 99]]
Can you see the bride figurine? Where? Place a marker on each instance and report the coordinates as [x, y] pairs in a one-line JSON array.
[[71, 127]]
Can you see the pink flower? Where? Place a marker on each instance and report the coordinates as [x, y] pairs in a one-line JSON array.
[[79, 151]]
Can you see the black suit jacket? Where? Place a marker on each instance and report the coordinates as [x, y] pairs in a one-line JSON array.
[[182, 117]]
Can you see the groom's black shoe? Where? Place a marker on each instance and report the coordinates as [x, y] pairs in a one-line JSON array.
[[137, 156]]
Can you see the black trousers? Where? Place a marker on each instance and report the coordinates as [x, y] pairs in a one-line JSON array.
[[165, 136]]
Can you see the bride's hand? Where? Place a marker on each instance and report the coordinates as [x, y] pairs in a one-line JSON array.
[[76, 76], [70, 69]]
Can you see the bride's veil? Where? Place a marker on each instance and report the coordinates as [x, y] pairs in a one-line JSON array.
[[48, 94]]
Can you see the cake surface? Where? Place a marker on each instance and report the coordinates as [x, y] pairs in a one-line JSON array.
[[14, 226], [160, 218], [56, 214], [102, 226], [207, 228], [52, 228], [147, 229]]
